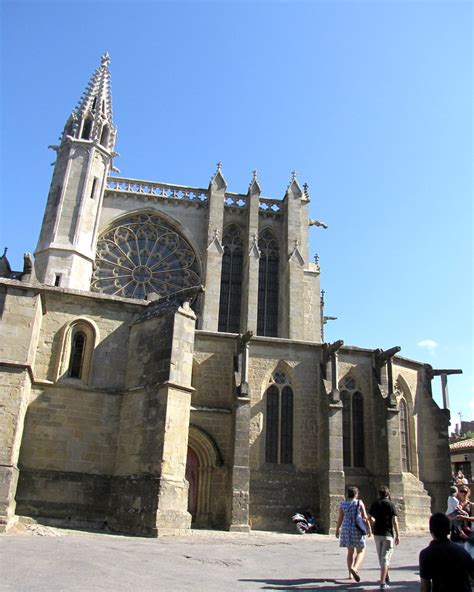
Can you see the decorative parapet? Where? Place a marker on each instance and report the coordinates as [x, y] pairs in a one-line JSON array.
[[236, 200], [159, 191], [164, 191], [270, 206]]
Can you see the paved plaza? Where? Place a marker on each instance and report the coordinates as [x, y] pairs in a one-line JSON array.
[[38, 558]]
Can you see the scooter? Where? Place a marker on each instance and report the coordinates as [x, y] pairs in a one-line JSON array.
[[304, 522]]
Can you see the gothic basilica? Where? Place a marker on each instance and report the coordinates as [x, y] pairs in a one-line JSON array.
[[163, 365]]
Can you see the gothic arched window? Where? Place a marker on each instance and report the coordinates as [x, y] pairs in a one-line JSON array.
[[231, 280], [104, 136], [358, 429], [279, 421], [404, 437], [78, 340], [143, 254], [346, 428], [267, 315], [87, 129], [76, 358], [353, 440]]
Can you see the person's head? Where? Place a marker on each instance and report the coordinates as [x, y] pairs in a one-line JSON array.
[[439, 525], [352, 492], [463, 493], [453, 490], [384, 492]]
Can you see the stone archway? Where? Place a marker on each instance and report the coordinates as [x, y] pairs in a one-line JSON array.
[[203, 458]]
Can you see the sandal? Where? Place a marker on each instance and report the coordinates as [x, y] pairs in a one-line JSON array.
[[355, 575]]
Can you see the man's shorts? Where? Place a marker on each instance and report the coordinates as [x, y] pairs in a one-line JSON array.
[[384, 546]]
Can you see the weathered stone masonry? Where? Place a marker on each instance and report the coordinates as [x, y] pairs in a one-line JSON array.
[[163, 367]]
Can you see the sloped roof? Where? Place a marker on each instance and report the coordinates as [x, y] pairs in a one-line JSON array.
[[462, 444]]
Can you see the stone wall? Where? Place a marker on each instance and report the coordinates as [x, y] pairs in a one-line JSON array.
[[68, 454]]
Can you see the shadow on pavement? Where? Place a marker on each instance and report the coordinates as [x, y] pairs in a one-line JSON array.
[[328, 585]]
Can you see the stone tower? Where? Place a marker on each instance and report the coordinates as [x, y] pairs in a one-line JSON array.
[[66, 248]]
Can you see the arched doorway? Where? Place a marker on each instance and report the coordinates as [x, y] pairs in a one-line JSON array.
[[192, 476], [203, 458]]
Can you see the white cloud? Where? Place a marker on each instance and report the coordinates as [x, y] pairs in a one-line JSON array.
[[429, 344]]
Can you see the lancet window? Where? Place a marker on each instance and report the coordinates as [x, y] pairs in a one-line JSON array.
[[143, 254], [104, 137], [267, 314], [231, 280], [279, 420], [87, 129], [404, 436], [78, 341], [353, 441], [77, 354]]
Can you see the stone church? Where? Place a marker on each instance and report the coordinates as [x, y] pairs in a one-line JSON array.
[[163, 364]]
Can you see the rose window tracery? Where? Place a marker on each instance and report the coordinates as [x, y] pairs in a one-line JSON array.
[[141, 255]]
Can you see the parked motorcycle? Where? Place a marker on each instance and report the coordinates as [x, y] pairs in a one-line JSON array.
[[305, 522]]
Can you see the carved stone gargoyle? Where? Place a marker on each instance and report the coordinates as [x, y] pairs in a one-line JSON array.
[[329, 370], [383, 361]]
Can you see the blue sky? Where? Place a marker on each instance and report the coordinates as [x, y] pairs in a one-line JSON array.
[[370, 102]]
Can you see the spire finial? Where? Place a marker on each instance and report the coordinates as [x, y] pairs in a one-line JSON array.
[[5, 251], [316, 259], [105, 59], [254, 175], [219, 166], [293, 175]]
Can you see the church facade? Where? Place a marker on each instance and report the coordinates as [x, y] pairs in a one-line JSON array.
[[163, 364]]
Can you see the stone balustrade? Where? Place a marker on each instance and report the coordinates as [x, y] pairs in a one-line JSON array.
[[159, 190], [269, 205], [153, 189]]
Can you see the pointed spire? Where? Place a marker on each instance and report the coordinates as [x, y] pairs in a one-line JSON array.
[[254, 187], [92, 118], [294, 187], [218, 180]]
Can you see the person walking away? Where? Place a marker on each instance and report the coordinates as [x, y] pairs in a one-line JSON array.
[[386, 531], [444, 566], [348, 533]]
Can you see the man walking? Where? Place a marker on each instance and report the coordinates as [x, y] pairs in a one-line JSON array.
[[386, 531], [444, 566]]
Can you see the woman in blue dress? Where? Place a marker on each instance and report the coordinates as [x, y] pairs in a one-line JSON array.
[[348, 534]]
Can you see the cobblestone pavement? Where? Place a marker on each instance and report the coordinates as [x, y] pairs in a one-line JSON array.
[[37, 558]]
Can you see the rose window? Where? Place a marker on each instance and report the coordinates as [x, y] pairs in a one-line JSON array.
[[142, 255]]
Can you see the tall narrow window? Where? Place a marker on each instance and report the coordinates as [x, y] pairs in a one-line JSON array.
[[353, 437], [77, 355], [87, 129], [358, 429], [346, 428], [231, 280], [286, 446], [273, 420], [404, 437], [279, 421], [267, 314], [104, 136], [94, 187]]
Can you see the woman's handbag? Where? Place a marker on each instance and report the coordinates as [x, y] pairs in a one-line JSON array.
[[360, 522]]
